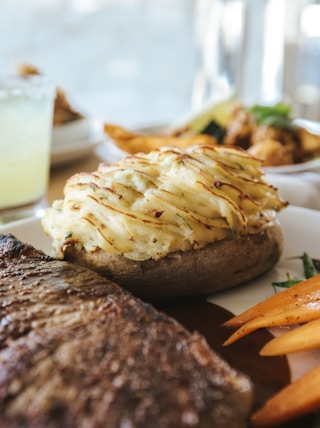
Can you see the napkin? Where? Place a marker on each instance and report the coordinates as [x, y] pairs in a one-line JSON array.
[[301, 189]]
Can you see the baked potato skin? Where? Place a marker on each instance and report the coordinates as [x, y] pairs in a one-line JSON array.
[[217, 266]]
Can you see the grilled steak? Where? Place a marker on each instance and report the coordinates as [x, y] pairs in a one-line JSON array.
[[78, 351]]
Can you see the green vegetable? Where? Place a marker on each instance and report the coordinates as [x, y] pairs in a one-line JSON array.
[[277, 115], [308, 266], [219, 112], [215, 130], [311, 267], [288, 283]]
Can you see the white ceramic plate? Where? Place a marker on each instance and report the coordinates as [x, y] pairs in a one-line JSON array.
[[313, 165], [76, 130], [301, 234], [74, 141], [73, 151]]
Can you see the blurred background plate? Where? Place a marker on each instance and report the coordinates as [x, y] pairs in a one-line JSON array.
[[313, 165], [64, 154], [75, 140], [73, 131]]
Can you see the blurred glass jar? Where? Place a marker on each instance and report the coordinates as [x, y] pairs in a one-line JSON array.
[[302, 58], [240, 50]]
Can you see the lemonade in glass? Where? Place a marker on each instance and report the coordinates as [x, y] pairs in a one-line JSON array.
[[26, 109]]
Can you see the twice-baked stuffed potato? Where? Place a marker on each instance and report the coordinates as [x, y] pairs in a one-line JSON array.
[[172, 222]]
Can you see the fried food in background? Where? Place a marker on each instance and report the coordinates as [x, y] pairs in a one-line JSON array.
[[266, 132], [271, 137], [63, 111], [134, 142], [272, 152], [269, 133]]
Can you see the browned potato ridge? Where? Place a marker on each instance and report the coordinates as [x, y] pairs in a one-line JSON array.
[[217, 266]]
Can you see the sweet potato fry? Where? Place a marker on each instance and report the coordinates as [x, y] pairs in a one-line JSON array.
[[131, 142], [304, 338], [297, 293], [296, 399]]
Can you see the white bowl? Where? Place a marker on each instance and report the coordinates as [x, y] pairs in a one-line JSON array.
[[73, 131]]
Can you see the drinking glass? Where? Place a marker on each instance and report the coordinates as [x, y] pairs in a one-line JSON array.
[[240, 50], [302, 59], [26, 111]]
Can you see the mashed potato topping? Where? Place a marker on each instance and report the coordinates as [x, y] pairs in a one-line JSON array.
[[148, 205]]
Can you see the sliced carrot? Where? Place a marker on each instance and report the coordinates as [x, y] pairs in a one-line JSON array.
[[304, 338], [297, 399], [299, 291], [293, 314]]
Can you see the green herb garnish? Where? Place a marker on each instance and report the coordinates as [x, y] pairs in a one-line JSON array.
[[311, 267], [288, 283], [68, 235], [308, 266], [277, 115]]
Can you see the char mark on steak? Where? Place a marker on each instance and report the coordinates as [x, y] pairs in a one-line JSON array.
[[78, 351]]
